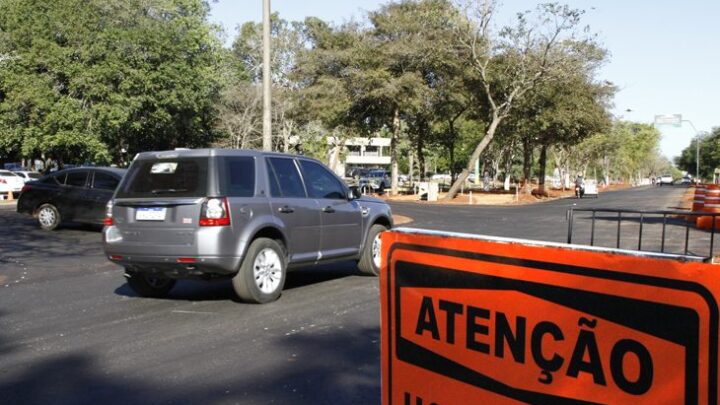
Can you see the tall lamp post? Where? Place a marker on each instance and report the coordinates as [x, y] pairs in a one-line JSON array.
[[677, 121], [697, 149], [267, 105]]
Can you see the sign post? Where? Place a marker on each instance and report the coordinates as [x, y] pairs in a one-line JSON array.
[[473, 319]]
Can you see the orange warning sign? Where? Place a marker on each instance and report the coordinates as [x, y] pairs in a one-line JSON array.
[[470, 319]]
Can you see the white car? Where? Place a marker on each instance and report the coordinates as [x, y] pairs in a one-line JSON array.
[[10, 182], [591, 188], [27, 175]]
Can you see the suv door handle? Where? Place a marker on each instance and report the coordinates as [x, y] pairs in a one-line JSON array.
[[286, 210], [328, 209]]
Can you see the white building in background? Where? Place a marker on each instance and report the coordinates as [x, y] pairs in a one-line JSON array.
[[360, 153]]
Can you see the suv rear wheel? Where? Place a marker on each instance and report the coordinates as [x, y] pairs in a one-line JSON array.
[[149, 286], [262, 273], [371, 259]]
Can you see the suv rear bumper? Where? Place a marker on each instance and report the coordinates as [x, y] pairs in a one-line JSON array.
[[179, 267]]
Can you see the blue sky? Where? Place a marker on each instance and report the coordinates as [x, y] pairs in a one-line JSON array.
[[664, 54]]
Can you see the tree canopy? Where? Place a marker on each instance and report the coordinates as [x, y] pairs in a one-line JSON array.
[[82, 81], [99, 80]]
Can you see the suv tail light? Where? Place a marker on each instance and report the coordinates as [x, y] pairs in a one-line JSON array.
[[25, 188], [215, 212], [2, 181], [108, 221]]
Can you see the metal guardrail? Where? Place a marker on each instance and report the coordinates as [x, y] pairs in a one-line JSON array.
[[643, 217]]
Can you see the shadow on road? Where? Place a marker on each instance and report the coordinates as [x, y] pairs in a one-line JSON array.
[[222, 290], [309, 375], [22, 236]]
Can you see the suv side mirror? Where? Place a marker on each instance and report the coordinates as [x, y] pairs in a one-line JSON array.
[[354, 193]]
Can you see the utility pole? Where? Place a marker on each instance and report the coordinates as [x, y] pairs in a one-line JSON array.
[[267, 104]]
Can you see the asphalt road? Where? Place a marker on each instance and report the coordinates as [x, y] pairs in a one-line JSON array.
[[72, 332]]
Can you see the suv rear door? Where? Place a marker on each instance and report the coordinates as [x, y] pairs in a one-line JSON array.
[[341, 219], [299, 214]]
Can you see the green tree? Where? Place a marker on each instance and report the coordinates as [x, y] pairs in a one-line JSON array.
[[709, 149], [517, 58], [84, 80]]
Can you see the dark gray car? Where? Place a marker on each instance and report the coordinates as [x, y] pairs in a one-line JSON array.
[[247, 215]]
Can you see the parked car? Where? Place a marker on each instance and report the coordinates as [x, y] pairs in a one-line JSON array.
[[10, 183], [77, 195], [374, 180], [246, 215], [28, 175]]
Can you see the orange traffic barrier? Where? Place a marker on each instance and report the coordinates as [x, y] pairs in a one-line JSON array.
[[698, 202], [711, 203]]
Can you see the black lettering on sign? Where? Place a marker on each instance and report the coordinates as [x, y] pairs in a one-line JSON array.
[[474, 328], [553, 363], [418, 400], [451, 309], [645, 378], [516, 341], [427, 320], [585, 357]]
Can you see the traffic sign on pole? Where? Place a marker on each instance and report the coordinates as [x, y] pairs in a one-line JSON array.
[[669, 119]]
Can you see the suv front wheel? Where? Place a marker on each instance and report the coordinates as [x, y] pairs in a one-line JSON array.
[[370, 259], [262, 273]]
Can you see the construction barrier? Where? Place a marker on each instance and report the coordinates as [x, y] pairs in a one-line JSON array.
[[471, 319], [711, 203], [698, 202]]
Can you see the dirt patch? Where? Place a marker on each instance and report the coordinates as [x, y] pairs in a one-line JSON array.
[[498, 197]]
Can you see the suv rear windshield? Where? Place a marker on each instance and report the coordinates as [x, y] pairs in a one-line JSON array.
[[180, 177]]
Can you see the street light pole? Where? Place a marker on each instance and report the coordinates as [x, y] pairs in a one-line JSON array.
[[267, 105], [697, 149]]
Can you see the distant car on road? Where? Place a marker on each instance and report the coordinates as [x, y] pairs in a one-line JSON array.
[[28, 175], [10, 182], [665, 179], [77, 195]]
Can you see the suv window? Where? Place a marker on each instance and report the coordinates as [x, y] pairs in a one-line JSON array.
[[104, 181], [320, 182], [237, 176], [285, 180], [76, 179], [180, 177]]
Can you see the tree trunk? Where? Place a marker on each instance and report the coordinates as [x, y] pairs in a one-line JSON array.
[[421, 160], [541, 176], [393, 153], [475, 156], [411, 166], [527, 167]]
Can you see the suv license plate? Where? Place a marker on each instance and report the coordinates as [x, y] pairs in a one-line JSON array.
[[150, 214]]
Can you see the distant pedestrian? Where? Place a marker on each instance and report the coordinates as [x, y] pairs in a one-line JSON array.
[[486, 181]]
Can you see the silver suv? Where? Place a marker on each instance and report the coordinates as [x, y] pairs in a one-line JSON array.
[[240, 214]]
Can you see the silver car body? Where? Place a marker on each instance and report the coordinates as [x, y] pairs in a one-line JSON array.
[[160, 232]]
